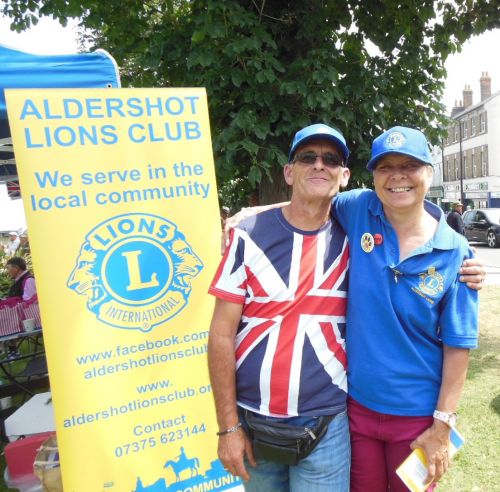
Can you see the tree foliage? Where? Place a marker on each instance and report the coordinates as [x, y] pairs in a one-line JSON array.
[[273, 66]]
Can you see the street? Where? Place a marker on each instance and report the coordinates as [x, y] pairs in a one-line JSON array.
[[491, 256]]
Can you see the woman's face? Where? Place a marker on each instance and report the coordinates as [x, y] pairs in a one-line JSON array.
[[401, 182]]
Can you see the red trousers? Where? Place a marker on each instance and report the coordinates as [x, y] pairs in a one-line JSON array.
[[379, 444]]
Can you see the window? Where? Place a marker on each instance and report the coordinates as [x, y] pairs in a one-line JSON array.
[[482, 122], [469, 217], [480, 216], [473, 126], [464, 129], [464, 165], [474, 165], [484, 164], [455, 164], [455, 133]]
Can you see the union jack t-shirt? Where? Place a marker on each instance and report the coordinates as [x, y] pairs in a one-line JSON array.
[[290, 348]]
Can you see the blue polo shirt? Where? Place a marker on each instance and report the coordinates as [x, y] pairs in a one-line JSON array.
[[400, 313]]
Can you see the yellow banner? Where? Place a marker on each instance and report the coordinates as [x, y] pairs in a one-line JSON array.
[[121, 202]]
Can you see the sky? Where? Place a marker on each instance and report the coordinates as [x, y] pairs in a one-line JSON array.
[[477, 55]]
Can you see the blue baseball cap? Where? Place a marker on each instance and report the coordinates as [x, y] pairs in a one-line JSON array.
[[322, 131], [400, 140]]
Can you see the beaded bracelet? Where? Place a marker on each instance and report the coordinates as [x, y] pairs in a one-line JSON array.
[[232, 429]]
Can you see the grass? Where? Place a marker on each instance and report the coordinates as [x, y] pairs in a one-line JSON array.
[[476, 468]]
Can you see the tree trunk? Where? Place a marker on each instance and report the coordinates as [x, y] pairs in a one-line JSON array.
[[275, 190]]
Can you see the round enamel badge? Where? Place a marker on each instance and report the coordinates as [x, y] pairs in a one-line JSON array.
[[367, 242]]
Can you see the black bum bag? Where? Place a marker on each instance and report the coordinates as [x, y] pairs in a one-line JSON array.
[[283, 443]]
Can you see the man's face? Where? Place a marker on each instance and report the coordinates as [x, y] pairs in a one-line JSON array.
[[459, 208], [13, 271], [401, 182], [313, 178], [12, 237]]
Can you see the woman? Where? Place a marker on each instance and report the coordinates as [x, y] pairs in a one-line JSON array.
[[411, 323]]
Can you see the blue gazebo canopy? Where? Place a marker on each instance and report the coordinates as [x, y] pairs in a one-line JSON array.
[[19, 70]]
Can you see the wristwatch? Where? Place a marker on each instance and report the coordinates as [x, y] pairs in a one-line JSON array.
[[449, 418]]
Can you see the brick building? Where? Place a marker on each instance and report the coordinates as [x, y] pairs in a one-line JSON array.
[[471, 150]]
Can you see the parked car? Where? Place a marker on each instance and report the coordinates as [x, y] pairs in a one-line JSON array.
[[483, 225]]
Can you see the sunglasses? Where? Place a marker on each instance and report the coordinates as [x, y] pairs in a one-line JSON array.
[[329, 159]]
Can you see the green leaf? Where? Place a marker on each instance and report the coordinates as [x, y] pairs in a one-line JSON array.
[[255, 175], [198, 36], [251, 147]]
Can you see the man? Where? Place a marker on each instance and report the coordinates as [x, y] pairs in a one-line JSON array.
[[11, 247], [23, 287], [276, 346], [24, 245], [454, 218], [24, 250]]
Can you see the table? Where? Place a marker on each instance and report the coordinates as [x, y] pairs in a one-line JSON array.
[[34, 417], [34, 354]]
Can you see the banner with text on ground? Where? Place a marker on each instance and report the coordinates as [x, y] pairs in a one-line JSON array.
[[120, 196]]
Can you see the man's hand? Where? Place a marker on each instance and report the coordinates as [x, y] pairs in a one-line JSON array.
[[435, 442], [232, 449], [473, 273]]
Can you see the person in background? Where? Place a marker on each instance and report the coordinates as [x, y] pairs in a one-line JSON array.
[[23, 287], [454, 218], [11, 247], [24, 250], [24, 245]]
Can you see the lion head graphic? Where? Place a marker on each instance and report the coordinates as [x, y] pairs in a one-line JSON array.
[[187, 264], [85, 278]]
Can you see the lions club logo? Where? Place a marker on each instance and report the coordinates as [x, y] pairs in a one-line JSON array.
[[135, 271], [431, 282], [395, 140]]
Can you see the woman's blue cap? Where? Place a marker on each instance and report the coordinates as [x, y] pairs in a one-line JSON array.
[[400, 140], [317, 131]]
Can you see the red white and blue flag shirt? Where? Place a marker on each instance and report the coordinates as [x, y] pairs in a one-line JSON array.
[[290, 348]]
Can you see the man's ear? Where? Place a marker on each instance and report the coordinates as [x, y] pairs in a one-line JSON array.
[[346, 173], [288, 174]]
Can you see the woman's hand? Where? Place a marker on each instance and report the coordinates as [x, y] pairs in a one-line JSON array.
[[434, 442], [244, 213]]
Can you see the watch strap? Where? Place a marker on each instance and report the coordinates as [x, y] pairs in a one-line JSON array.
[[448, 418]]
